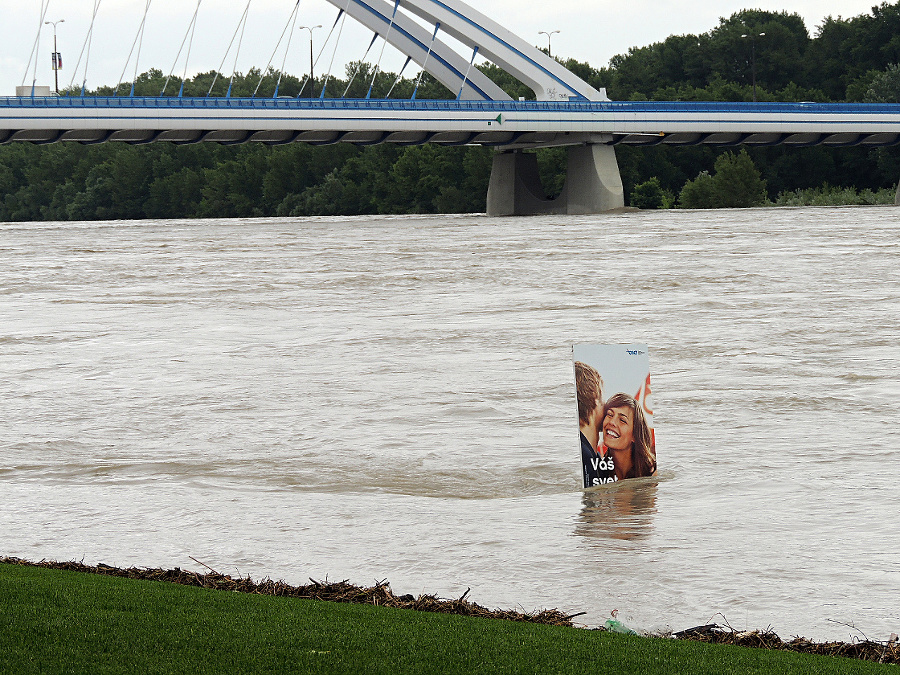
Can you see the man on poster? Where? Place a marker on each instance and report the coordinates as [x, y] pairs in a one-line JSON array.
[[597, 468]]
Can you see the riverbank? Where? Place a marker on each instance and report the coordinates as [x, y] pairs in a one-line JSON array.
[[68, 617]]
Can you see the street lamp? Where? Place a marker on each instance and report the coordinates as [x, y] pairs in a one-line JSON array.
[[753, 37], [57, 59], [553, 32], [312, 81]]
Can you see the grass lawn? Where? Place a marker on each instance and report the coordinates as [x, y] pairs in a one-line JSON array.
[[66, 622]]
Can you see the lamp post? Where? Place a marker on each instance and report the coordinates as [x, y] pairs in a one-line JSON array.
[[753, 37], [57, 61], [553, 32], [312, 82]]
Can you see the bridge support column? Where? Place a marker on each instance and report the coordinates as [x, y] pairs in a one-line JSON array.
[[593, 184], [897, 196]]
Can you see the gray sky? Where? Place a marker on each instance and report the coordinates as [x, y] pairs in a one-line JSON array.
[[590, 30]]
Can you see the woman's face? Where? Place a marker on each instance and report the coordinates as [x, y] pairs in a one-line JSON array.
[[618, 428]]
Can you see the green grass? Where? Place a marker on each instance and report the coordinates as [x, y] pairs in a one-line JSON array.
[[68, 622]]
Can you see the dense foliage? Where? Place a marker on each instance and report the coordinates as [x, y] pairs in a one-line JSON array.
[[855, 59]]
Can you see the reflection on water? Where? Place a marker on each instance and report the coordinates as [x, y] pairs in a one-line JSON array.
[[623, 510]]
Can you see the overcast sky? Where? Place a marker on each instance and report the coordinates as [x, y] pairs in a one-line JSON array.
[[590, 30]]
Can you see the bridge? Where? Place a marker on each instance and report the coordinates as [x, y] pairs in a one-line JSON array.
[[566, 112]]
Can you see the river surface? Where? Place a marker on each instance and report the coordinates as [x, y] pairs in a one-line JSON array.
[[393, 398]]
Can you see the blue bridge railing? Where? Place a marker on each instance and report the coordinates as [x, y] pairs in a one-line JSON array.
[[171, 102]]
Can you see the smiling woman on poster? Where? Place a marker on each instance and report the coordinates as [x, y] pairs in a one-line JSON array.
[[627, 437]]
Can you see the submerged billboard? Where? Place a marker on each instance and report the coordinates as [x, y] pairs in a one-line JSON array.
[[615, 412]]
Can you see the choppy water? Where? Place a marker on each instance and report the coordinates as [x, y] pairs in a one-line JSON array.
[[392, 398]]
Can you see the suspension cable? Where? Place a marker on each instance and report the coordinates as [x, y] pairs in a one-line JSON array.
[[359, 65], [230, 44], [140, 35], [192, 27], [333, 53], [86, 47], [466, 77], [35, 50], [291, 18], [399, 77], [187, 58], [287, 50], [380, 56], [237, 52], [137, 59], [437, 27]]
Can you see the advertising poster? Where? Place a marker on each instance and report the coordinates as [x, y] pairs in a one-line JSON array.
[[615, 412]]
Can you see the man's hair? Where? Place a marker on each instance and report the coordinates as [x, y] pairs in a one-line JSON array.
[[589, 386]]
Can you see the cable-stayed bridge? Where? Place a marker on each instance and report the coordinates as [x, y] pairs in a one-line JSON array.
[[566, 112]]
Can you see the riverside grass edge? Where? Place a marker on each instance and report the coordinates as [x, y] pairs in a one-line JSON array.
[[68, 617]]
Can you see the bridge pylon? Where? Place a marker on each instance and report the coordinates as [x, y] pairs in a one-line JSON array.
[[593, 184]]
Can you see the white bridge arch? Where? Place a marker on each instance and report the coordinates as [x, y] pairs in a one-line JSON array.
[[593, 182], [545, 76]]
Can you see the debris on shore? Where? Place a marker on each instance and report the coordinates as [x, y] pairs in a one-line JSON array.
[[865, 649], [381, 595], [343, 591]]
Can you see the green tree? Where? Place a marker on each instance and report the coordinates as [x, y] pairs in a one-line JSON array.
[[176, 195], [885, 86], [233, 189], [736, 183], [700, 193], [650, 195], [358, 186], [844, 50], [115, 187], [696, 61], [434, 179], [776, 41]]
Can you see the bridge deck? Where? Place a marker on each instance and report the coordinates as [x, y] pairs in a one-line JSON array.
[[500, 123]]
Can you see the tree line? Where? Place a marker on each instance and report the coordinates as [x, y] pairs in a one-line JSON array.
[[851, 60]]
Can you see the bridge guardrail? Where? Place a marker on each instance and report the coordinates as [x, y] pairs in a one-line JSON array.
[[137, 102]]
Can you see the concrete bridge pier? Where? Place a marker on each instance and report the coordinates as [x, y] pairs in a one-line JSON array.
[[897, 196], [593, 184]]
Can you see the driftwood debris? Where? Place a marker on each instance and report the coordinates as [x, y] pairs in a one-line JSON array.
[[865, 650], [380, 594]]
